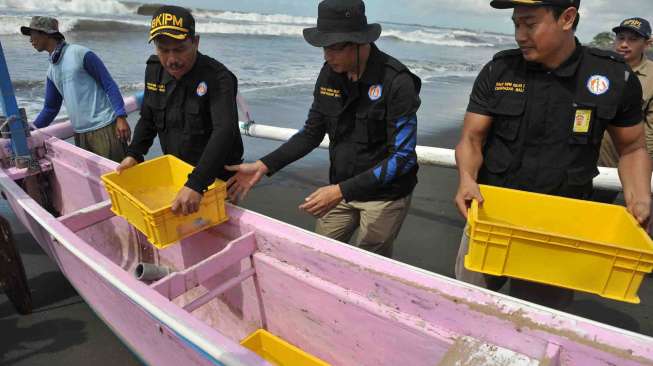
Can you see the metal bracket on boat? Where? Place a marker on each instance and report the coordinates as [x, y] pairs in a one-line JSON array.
[[245, 126], [181, 282]]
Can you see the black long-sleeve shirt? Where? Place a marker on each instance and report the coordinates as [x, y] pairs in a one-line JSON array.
[[372, 126]]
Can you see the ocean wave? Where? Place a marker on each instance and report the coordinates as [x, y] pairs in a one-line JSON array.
[[439, 39], [70, 6], [12, 24], [254, 17], [430, 71], [93, 25], [250, 29], [28, 85], [254, 24], [132, 87]]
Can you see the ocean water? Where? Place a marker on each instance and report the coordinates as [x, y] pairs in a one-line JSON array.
[[275, 67]]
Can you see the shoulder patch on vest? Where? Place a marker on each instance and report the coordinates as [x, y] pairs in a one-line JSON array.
[[507, 53], [606, 54], [154, 59]]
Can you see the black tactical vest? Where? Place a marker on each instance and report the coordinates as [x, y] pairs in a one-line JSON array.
[[547, 127], [357, 123], [181, 110]]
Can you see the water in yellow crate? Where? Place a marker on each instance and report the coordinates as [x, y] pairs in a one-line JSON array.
[[156, 198]]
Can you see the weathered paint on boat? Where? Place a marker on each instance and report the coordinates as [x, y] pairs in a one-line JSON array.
[[341, 304]]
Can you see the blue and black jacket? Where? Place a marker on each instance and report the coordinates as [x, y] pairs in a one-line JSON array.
[[372, 128]]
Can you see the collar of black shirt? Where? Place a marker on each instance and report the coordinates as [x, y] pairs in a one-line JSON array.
[[375, 67], [567, 68]]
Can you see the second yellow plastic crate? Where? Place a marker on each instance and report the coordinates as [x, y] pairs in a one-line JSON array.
[[580, 245], [143, 195], [279, 352]]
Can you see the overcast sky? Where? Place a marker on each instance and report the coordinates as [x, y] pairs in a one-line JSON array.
[[597, 15]]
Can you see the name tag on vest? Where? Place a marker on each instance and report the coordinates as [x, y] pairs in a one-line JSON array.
[[582, 120]]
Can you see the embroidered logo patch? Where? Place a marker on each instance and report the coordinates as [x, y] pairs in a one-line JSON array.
[[509, 86], [375, 92], [598, 84], [161, 88], [202, 89], [582, 120]]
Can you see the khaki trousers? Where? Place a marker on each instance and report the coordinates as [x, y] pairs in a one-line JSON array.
[[103, 142], [551, 296], [378, 223]]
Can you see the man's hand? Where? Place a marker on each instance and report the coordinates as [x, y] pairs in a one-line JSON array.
[[641, 211], [186, 202], [320, 202], [247, 175], [468, 190], [123, 131], [126, 163]]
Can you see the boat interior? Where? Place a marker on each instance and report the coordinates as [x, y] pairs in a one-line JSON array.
[[338, 303]]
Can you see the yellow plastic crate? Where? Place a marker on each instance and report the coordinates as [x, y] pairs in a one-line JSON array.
[[279, 352], [579, 245], [143, 195]]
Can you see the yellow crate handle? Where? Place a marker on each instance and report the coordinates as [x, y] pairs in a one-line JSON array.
[[472, 217]]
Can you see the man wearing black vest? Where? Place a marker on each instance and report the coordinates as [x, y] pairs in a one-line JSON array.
[[535, 121], [190, 103], [366, 101]]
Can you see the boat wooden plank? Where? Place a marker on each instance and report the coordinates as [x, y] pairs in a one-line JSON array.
[[457, 307], [181, 282], [334, 325], [88, 216]]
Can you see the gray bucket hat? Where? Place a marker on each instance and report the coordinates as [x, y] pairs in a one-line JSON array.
[[46, 25], [341, 21]]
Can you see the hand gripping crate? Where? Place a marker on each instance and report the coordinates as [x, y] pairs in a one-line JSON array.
[[143, 195], [575, 244]]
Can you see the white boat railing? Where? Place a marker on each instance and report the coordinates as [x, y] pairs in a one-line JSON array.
[[608, 178]]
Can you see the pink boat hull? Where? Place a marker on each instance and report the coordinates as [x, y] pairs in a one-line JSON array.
[[338, 303]]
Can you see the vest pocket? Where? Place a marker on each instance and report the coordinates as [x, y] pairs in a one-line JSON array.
[[158, 108], [194, 123], [371, 127], [507, 116]]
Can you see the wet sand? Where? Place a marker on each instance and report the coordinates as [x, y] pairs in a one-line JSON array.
[[64, 331]]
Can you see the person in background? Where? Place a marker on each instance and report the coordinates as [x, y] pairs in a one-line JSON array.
[[77, 78], [633, 38]]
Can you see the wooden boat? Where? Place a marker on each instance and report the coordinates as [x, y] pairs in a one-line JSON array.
[[336, 302]]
